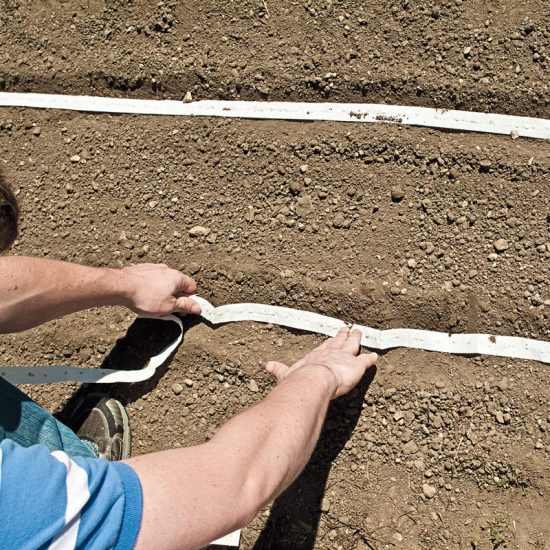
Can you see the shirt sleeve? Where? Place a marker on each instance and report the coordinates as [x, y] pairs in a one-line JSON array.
[[54, 501]]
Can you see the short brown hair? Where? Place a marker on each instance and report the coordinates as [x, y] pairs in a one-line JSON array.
[[9, 214]]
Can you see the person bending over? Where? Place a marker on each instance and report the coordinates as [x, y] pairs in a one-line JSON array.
[[81, 490]]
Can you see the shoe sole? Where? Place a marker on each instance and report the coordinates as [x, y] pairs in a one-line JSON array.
[[115, 406]]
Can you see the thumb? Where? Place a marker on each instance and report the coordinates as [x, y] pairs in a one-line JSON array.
[[277, 370], [186, 306]]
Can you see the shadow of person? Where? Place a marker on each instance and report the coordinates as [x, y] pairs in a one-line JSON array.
[[295, 515], [144, 339]]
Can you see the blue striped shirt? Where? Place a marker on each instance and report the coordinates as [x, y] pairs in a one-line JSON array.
[[53, 501]]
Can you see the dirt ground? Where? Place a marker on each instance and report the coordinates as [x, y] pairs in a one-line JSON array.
[[381, 225]]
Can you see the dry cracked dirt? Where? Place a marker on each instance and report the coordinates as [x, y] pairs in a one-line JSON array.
[[376, 224]]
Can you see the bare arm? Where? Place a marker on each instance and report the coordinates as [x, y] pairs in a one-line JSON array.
[[35, 290], [195, 495]]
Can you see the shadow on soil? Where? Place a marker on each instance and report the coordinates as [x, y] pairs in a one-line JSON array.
[[294, 520], [145, 338]]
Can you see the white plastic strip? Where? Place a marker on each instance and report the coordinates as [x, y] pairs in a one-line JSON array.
[[517, 126], [464, 344]]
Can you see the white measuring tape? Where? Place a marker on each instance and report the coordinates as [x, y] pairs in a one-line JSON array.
[[516, 126], [464, 344]]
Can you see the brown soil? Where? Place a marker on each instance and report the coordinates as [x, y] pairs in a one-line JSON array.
[[381, 225]]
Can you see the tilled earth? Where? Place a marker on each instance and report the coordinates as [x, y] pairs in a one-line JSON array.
[[379, 225]]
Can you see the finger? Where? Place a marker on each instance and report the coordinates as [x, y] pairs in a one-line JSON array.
[[277, 370], [338, 341], [367, 360], [187, 306], [353, 343], [186, 284]]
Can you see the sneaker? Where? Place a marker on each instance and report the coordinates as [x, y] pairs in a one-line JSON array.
[[103, 422]]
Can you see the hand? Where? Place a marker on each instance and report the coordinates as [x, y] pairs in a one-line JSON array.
[[156, 290], [340, 355]]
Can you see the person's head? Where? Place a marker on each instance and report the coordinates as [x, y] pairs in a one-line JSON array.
[[9, 215]]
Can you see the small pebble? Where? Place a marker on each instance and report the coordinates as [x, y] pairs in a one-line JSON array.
[[410, 448], [429, 490], [177, 388], [199, 231], [501, 245], [338, 220], [397, 194], [325, 505]]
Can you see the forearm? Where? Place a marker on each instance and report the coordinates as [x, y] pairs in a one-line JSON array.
[[35, 290], [273, 441], [194, 495]]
